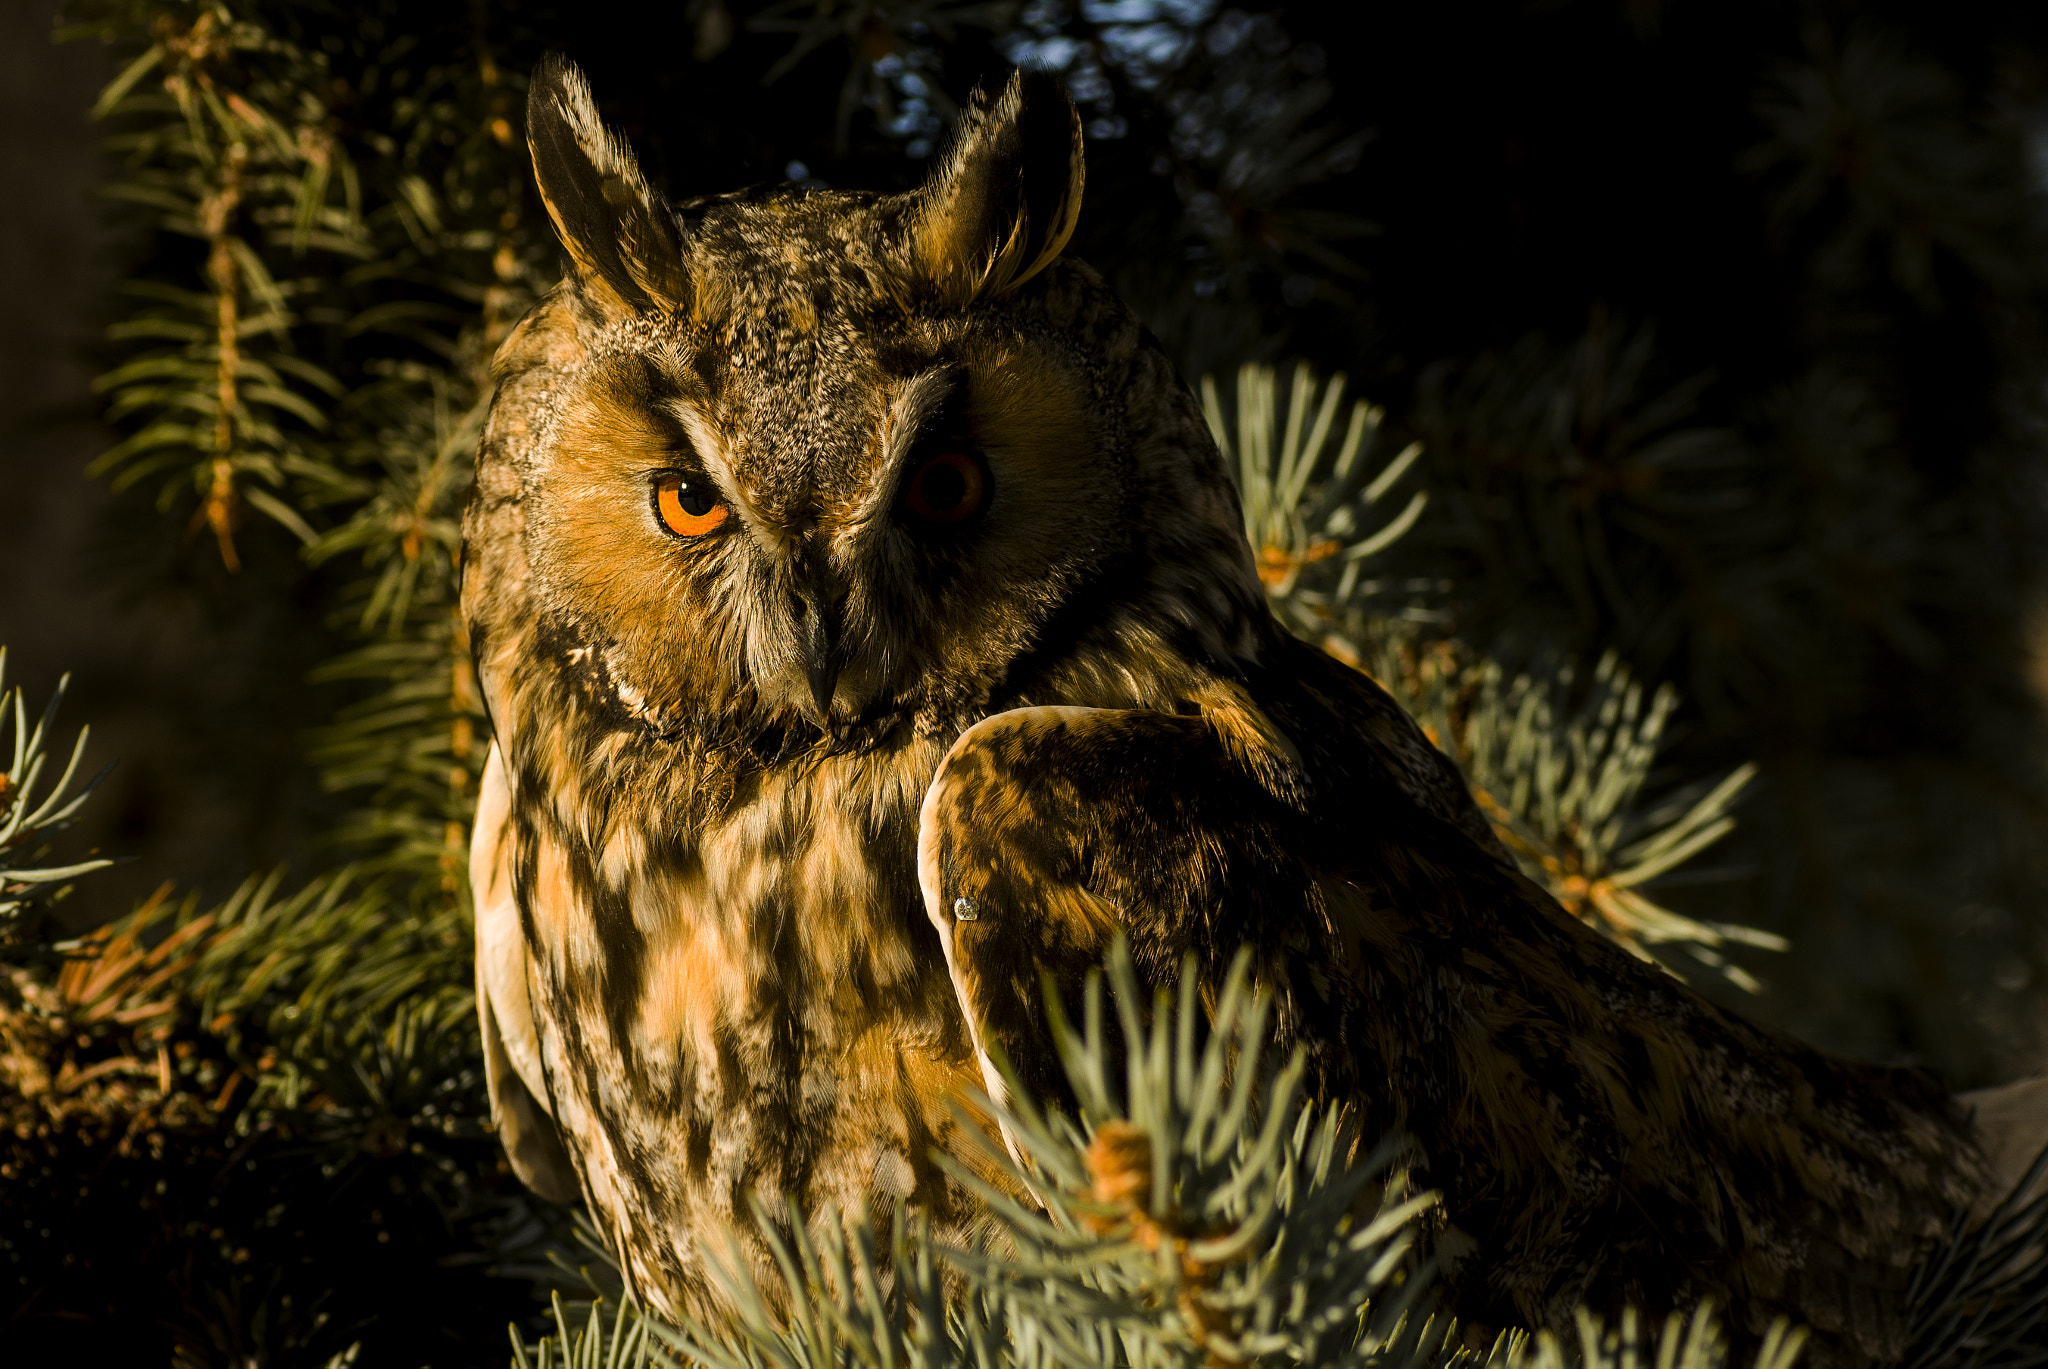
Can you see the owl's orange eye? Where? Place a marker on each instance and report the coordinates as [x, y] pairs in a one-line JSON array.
[[687, 507], [949, 488]]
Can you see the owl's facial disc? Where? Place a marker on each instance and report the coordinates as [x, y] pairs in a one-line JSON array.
[[861, 544]]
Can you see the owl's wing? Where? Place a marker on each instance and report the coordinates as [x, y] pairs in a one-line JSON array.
[[1047, 830], [1599, 1128], [512, 1069]]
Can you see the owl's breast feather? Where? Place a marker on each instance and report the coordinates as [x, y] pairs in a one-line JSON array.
[[755, 1008]]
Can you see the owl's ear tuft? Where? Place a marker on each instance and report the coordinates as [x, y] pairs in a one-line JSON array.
[[623, 240], [1006, 196]]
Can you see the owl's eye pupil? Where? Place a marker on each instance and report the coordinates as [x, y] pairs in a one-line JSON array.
[[943, 488], [687, 507], [949, 488]]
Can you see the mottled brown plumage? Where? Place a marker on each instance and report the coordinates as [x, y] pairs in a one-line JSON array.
[[868, 629]]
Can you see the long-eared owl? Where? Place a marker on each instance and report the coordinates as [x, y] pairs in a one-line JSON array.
[[868, 631]]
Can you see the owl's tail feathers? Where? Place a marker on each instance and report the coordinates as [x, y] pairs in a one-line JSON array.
[[2012, 1127]]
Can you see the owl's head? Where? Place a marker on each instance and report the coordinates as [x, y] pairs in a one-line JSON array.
[[840, 462]]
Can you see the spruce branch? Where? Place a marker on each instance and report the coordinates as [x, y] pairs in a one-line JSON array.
[[1194, 1210], [1311, 480], [229, 145], [1199, 1207], [627, 1342], [1559, 768], [400, 262], [1982, 1298], [29, 815]]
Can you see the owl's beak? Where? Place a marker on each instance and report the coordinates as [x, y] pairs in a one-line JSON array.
[[820, 632]]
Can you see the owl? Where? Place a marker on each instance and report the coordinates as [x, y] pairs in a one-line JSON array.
[[869, 635]]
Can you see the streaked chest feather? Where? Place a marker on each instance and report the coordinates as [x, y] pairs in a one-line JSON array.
[[756, 1004]]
